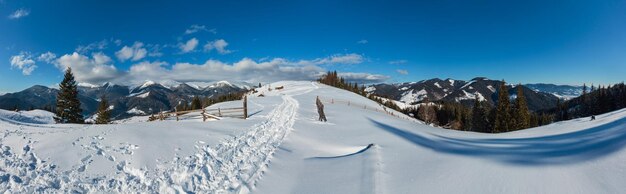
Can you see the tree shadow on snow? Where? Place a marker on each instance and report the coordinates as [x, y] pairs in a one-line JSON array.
[[567, 148]]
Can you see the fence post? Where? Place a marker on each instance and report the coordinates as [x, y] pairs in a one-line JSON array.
[[203, 115], [176, 112], [245, 107], [219, 112]]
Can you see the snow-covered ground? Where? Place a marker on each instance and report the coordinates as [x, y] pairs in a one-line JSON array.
[[282, 148]]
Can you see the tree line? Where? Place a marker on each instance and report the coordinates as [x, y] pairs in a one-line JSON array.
[[597, 100], [506, 116]]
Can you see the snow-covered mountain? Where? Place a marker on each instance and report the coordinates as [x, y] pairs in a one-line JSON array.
[[461, 91], [146, 98], [282, 148], [564, 92]]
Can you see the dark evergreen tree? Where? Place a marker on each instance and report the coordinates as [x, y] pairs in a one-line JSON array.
[[521, 114], [103, 114], [479, 117], [502, 114], [68, 105], [196, 103]]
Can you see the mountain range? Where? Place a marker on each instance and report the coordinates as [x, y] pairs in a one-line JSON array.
[[539, 96], [152, 97], [125, 101]]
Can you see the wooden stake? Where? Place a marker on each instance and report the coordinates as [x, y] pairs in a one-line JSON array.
[[245, 107]]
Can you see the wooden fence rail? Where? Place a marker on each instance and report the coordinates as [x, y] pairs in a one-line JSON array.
[[214, 113]]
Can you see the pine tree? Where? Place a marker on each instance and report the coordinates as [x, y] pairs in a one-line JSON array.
[[68, 105], [104, 114], [502, 117], [479, 117], [195, 103], [522, 114]]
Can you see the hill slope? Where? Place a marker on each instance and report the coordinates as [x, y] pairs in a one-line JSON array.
[[282, 148]]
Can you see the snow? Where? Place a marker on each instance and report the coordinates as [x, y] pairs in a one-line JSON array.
[[88, 85], [451, 81], [491, 88], [282, 148], [437, 84], [468, 84], [144, 95], [370, 89], [146, 84], [135, 111], [470, 96], [410, 96], [169, 83], [30, 117]]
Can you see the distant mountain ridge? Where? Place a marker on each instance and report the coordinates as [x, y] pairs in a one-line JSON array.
[[565, 92], [466, 92], [126, 101]]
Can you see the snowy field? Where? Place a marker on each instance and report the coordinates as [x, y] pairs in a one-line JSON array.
[[282, 148]]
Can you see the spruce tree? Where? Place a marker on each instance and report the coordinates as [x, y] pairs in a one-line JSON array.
[[502, 117], [104, 114], [522, 114], [195, 103], [68, 105], [479, 117]]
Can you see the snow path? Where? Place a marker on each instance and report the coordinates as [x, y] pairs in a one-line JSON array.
[[237, 164]]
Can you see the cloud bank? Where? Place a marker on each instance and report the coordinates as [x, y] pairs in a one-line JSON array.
[[99, 68]]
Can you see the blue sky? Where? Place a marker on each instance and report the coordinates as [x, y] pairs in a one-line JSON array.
[[128, 42]]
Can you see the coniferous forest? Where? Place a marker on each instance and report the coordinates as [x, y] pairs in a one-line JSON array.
[[506, 115]]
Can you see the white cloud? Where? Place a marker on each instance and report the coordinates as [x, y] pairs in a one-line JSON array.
[[134, 53], [363, 77], [197, 28], [396, 62], [47, 57], [219, 45], [100, 45], [24, 62], [97, 69], [362, 41], [244, 70], [402, 71], [20, 13], [189, 46], [347, 59]]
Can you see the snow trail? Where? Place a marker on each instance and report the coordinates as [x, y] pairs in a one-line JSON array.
[[236, 164]]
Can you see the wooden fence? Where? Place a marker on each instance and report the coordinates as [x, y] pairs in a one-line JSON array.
[[214, 113], [380, 108]]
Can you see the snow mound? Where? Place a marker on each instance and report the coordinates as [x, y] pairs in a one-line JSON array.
[[31, 117], [360, 149]]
